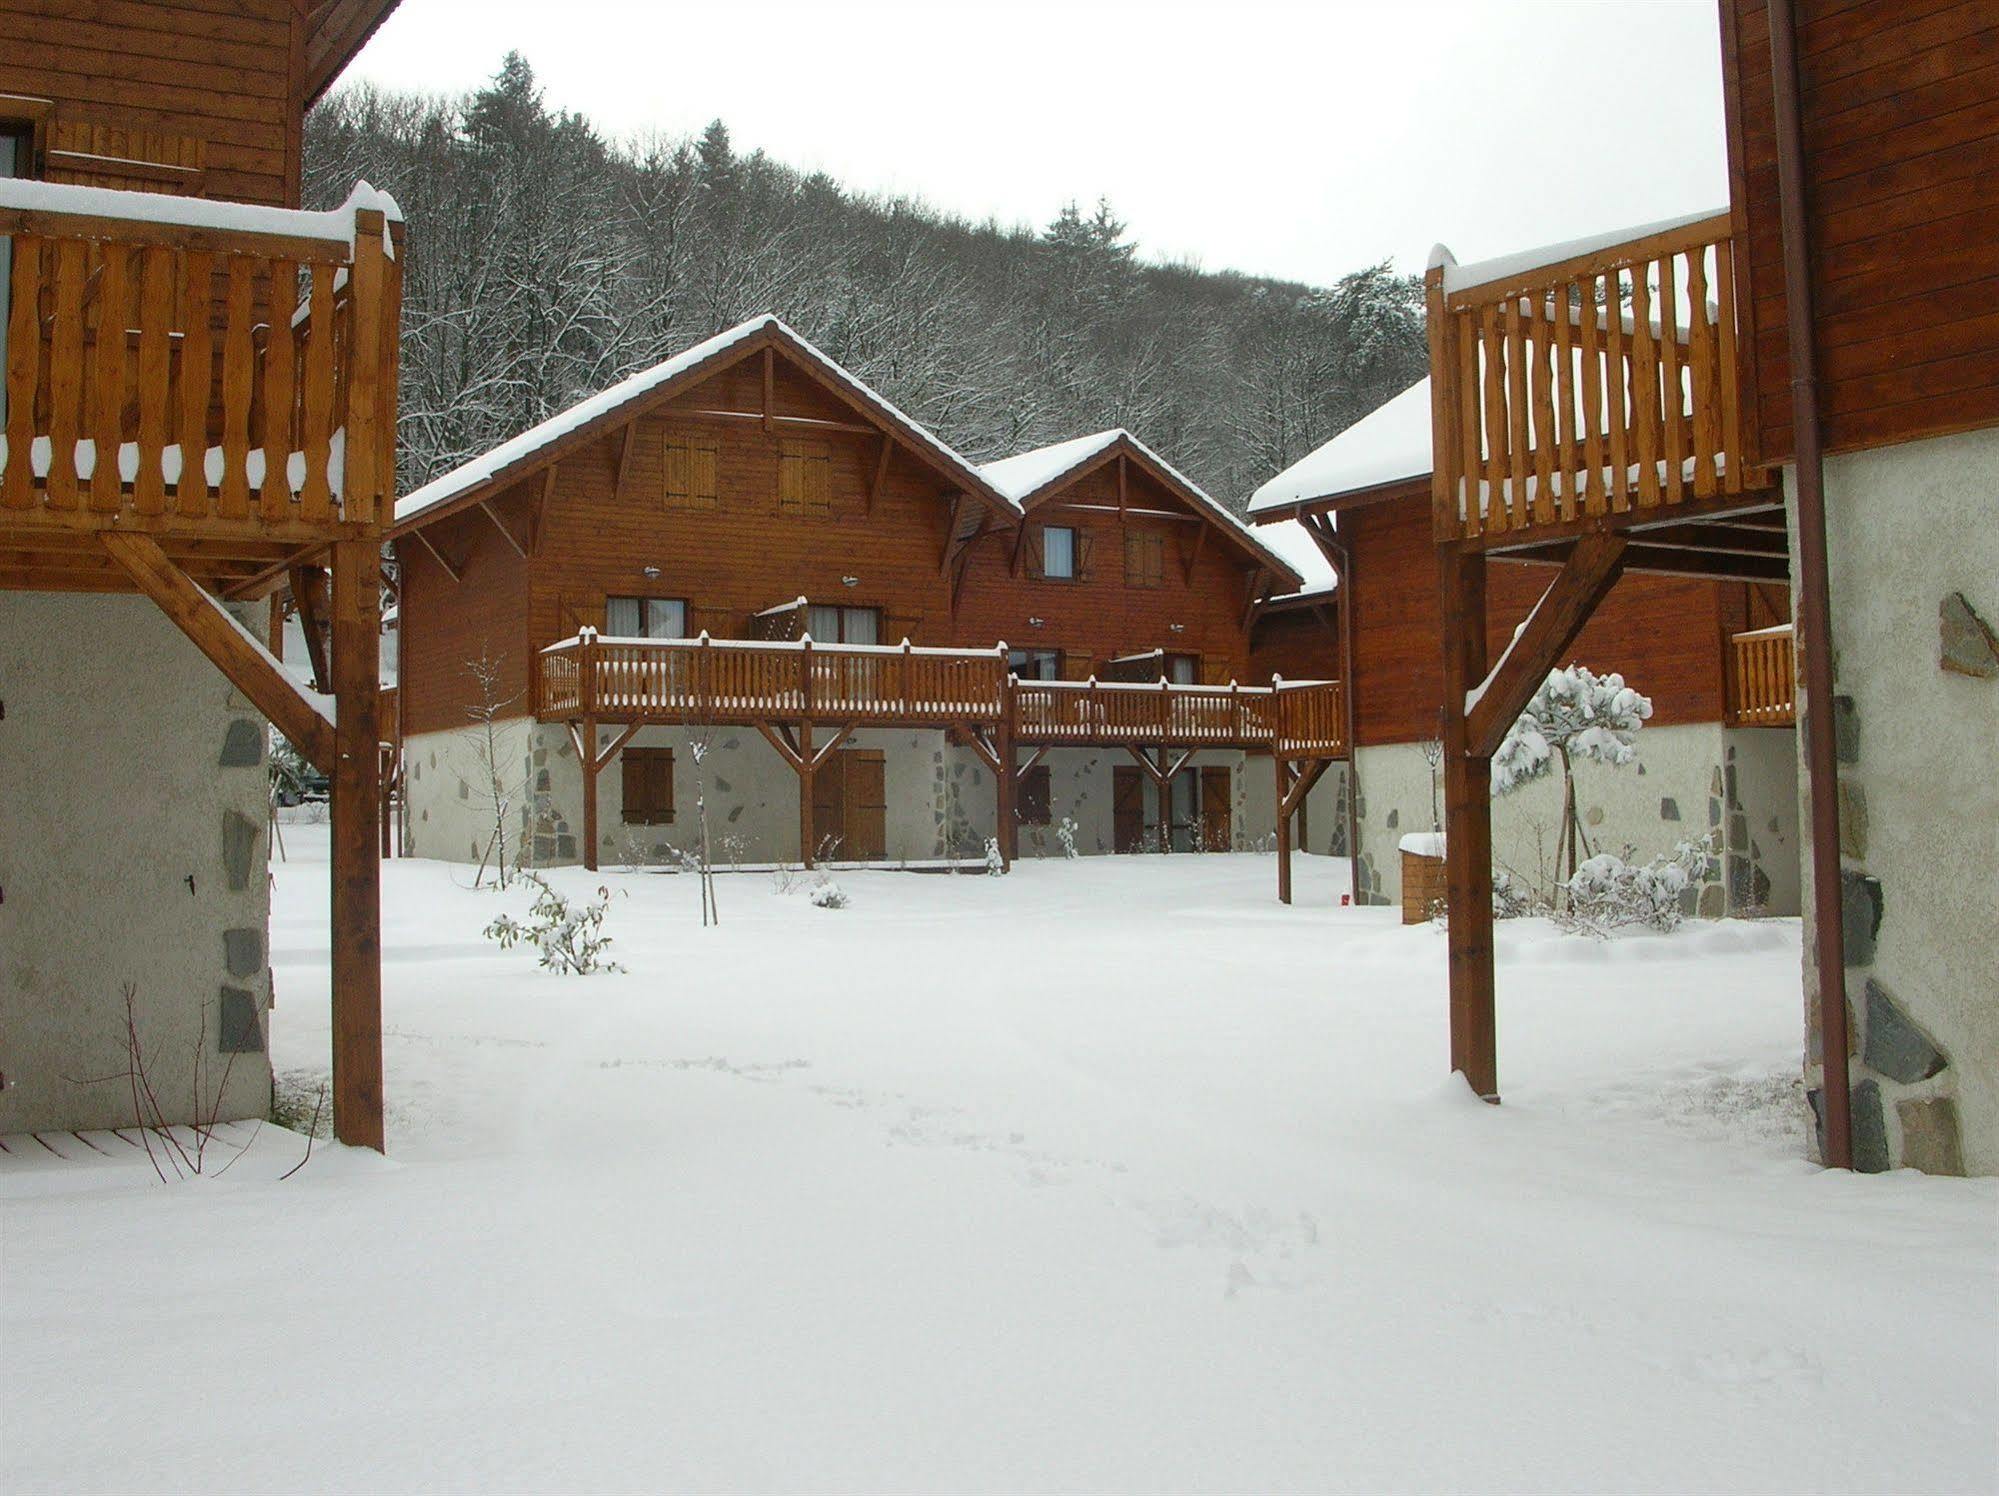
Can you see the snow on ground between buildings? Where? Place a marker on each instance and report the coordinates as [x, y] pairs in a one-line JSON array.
[[1110, 1174]]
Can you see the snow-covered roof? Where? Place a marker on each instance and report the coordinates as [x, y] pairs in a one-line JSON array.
[[1027, 477], [521, 450], [1390, 444], [1289, 539]]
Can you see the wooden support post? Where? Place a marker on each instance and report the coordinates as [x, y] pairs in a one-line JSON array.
[[586, 745], [357, 867], [1005, 785], [308, 589], [806, 772], [1283, 828], [1467, 826]]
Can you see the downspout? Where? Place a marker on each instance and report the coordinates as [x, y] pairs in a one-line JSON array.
[[1343, 565], [1814, 602]]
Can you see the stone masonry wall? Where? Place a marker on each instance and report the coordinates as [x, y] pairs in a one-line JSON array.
[[1914, 559], [133, 832]]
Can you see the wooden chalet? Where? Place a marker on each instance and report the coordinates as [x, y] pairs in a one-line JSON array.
[[199, 403], [1630, 411], [746, 537], [1129, 595]]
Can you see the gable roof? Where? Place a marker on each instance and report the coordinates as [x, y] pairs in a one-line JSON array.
[[589, 418], [1029, 479], [1385, 454], [1290, 540], [335, 31]]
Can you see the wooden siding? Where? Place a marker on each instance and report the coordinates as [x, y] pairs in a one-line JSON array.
[[1900, 107], [1664, 634], [219, 80], [444, 623], [1296, 643], [1096, 620]]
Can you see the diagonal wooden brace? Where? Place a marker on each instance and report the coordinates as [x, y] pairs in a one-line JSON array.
[[230, 648]]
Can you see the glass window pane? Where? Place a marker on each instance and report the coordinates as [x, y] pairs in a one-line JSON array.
[[1180, 669], [666, 618], [859, 626], [823, 623], [622, 618], [1058, 551]]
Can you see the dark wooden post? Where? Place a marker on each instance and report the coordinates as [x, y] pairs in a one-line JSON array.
[[1008, 788], [1467, 825], [1283, 827], [357, 867], [805, 766], [586, 748], [385, 796]]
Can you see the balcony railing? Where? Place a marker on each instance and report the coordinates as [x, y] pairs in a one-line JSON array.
[[195, 368], [750, 681], [1601, 383], [712, 680], [1762, 678]]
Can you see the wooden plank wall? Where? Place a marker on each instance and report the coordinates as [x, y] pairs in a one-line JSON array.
[[1293, 643], [1098, 620], [1663, 633], [227, 74], [741, 556], [445, 623], [1901, 123]]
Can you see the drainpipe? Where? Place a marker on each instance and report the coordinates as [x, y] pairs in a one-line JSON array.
[[1343, 564], [1814, 603]]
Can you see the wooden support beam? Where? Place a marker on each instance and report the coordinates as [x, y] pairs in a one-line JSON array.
[[356, 855], [1006, 784], [1301, 786], [770, 387], [1031, 760], [538, 521], [586, 757], [230, 648], [626, 449], [309, 597], [779, 737], [455, 572], [817, 759], [1193, 554], [1259, 588], [1721, 537], [1123, 485], [950, 535], [1284, 782], [988, 753], [807, 762], [881, 471], [1590, 572], [1467, 827], [513, 540], [795, 423]]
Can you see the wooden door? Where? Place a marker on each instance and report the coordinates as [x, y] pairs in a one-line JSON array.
[[829, 822], [864, 803], [1217, 809], [1127, 809]]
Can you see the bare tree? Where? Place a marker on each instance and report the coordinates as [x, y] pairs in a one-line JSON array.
[[499, 785]]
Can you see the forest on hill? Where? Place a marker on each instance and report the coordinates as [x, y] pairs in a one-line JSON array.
[[545, 262]]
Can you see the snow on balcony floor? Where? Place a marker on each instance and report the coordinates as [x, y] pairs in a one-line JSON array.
[[1112, 1174]]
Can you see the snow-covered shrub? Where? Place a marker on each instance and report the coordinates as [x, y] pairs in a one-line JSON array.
[[828, 895], [571, 940], [995, 864], [1576, 714], [1065, 833], [1608, 891], [1513, 897]]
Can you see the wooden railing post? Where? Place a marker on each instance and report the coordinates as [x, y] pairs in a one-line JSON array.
[[908, 685]]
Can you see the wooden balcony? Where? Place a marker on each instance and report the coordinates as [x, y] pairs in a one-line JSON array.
[[754, 682], [217, 377], [1302, 720], [750, 681], [1762, 678], [1599, 390]]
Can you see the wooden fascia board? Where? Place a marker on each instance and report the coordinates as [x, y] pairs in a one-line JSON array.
[[337, 30], [1353, 498]]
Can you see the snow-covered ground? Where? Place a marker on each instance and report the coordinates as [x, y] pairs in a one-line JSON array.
[[1106, 1175]]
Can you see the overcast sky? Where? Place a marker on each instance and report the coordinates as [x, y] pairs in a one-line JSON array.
[[1297, 140]]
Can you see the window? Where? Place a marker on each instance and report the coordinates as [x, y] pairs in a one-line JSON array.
[[1031, 802], [1144, 559], [830, 625], [645, 618], [648, 786], [1182, 669], [1035, 664], [1058, 553], [690, 474], [804, 480]]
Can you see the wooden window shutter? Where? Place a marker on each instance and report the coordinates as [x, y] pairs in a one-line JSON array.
[[804, 480], [689, 474], [1032, 553], [580, 611], [93, 155], [1144, 559], [646, 777], [1075, 665], [1086, 546]]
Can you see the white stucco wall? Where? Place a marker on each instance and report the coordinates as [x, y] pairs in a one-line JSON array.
[[133, 827], [1677, 791], [1908, 527]]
